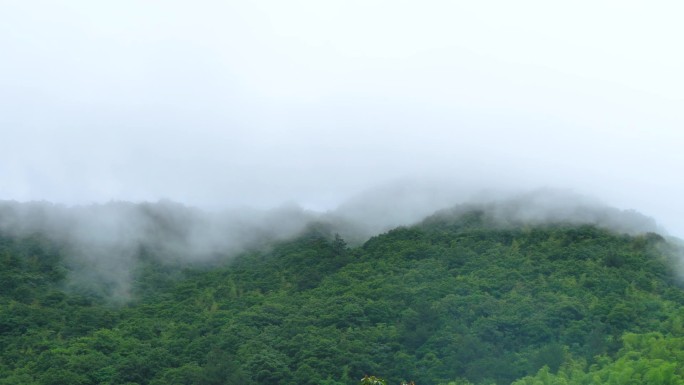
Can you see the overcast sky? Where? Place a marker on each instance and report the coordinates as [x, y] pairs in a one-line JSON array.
[[220, 103]]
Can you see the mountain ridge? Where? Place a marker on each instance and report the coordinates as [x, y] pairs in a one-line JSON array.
[[462, 297]]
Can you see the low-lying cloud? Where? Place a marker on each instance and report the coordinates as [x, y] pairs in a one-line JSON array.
[[103, 243]]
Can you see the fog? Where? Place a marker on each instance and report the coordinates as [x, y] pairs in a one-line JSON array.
[[260, 104], [105, 244]]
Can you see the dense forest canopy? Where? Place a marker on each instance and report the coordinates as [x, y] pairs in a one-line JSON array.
[[526, 291]]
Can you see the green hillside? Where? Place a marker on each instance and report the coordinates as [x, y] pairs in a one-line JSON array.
[[454, 299]]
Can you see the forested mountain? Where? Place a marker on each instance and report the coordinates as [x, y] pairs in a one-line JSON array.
[[481, 294]]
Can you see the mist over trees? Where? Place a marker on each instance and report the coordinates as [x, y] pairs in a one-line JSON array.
[[132, 132], [104, 241], [525, 290]]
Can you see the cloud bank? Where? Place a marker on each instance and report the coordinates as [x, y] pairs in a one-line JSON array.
[[222, 104], [104, 244]]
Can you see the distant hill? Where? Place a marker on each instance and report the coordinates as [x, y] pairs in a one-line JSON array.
[[527, 290]]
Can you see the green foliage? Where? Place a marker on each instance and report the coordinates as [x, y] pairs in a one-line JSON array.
[[649, 358], [450, 301]]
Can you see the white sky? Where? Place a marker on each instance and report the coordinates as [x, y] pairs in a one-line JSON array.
[[260, 102]]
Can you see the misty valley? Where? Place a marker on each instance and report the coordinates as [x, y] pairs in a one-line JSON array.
[[539, 289]]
